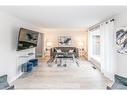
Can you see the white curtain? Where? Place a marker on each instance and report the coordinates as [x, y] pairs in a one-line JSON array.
[[89, 45], [108, 49]]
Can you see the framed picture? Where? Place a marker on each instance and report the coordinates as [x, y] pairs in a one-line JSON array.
[[121, 40], [64, 41]]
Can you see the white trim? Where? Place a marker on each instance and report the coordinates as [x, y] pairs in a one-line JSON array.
[[13, 79]]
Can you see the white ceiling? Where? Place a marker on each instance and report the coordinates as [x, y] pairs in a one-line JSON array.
[[63, 16]]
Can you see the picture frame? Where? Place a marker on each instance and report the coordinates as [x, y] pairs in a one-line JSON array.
[[121, 40], [64, 41]]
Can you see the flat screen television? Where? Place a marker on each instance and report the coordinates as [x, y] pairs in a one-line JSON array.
[[27, 39]]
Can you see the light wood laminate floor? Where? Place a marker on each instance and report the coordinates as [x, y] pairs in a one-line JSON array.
[[70, 77]]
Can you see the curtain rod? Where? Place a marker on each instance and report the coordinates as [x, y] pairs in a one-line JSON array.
[[98, 24]]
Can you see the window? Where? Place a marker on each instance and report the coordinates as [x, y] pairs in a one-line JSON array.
[[96, 45]]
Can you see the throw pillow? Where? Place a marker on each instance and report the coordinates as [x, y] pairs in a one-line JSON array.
[[71, 51], [58, 51]]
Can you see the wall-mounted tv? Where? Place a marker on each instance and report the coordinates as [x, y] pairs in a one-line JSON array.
[[27, 39]]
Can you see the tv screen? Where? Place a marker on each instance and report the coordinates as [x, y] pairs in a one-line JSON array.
[[27, 39]]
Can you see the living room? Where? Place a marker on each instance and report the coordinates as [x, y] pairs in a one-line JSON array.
[[78, 37], [73, 53]]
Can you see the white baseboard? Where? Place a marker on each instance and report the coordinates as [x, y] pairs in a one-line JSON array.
[[16, 77]]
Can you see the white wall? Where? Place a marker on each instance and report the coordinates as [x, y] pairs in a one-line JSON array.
[[120, 21], [77, 35], [10, 60]]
